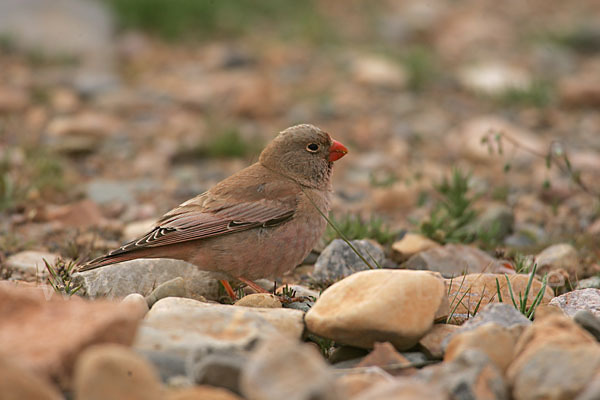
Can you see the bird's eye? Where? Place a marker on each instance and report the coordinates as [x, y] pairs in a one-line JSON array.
[[312, 147]]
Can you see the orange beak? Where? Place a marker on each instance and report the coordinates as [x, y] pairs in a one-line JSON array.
[[337, 151]]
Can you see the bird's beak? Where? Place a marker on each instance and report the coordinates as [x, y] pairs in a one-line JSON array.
[[337, 151]]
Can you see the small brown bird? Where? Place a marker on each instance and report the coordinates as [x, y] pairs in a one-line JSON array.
[[258, 223]]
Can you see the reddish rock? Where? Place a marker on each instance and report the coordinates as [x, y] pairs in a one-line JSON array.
[[384, 355], [82, 214], [46, 331]]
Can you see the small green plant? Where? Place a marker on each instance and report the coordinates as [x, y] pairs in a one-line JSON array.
[[420, 64], [228, 143], [354, 227], [325, 345], [60, 277], [288, 292], [521, 305], [537, 94], [450, 219], [456, 301]]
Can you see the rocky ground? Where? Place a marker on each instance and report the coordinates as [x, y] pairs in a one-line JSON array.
[[471, 187]]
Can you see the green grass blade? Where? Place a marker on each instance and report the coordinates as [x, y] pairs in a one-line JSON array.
[[498, 290], [510, 291]]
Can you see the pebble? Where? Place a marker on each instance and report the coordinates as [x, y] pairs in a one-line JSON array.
[[385, 356], [453, 260], [180, 326], [352, 383], [402, 389], [202, 392], [559, 256], [589, 283], [588, 321], [218, 367], [170, 366], [502, 314], [356, 310], [269, 374], [470, 376], [583, 299], [137, 301], [432, 341], [338, 260], [31, 262], [171, 288], [143, 275], [46, 331], [259, 300], [555, 359], [493, 78], [497, 221], [114, 372], [378, 72], [409, 245]]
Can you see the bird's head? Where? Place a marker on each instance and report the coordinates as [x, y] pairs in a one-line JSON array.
[[304, 153]]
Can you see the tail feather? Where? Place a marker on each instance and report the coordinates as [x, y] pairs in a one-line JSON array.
[[109, 259]]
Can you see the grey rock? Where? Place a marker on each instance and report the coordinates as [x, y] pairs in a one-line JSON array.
[[583, 299], [173, 288], [587, 320], [591, 392], [138, 301], [143, 275], [103, 191], [303, 306], [286, 369], [558, 256], [592, 282], [185, 326], [497, 222], [168, 365], [338, 260], [502, 314], [453, 260], [526, 235], [31, 263], [470, 376], [218, 367]]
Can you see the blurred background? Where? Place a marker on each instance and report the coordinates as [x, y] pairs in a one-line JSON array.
[[114, 111]]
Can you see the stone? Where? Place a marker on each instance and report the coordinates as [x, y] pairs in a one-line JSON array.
[[172, 288], [202, 392], [218, 367], [481, 289], [18, 383], [338, 260], [411, 244], [583, 299], [268, 376], [31, 262], [356, 310], [432, 341], [494, 78], [502, 314], [402, 389], [580, 91], [592, 391], [82, 214], [179, 325], [378, 72], [454, 260], [496, 221], [143, 275], [46, 332], [385, 356], [259, 300], [169, 366], [588, 321], [496, 341], [470, 376], [555, 359], [138, 301], [114, 372], [354, 382], [591, 282], [344, 353], [556, 257]]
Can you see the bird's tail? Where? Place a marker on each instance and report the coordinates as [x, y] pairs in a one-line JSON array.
[[112, 258]]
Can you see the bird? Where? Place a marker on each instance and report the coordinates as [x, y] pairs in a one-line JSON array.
[[258, 223]]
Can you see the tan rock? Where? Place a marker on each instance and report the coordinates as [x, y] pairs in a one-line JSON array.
[[259, 300], [557, 257], [268, 376], [13, 100], [409, 245], [47, 332], [576, 300], [497, 342], [379, 72], [482, 287], [355, 382], [398, 306], [115, 372], [82, 214], [556, 359], [137, 301], [203, 392], [403, 389], [88, 124], [432, 341], [385, 356], [580, 91], [17, 383]]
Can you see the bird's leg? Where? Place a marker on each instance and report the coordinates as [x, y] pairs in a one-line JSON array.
[[252, 285], [228, 289]]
